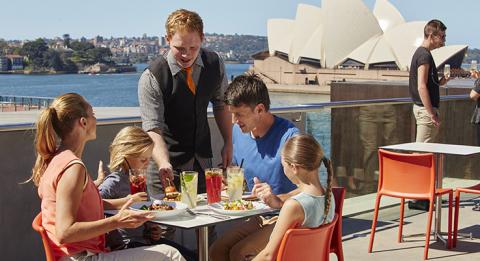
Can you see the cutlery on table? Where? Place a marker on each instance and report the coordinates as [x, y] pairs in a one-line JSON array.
[[222, 217]]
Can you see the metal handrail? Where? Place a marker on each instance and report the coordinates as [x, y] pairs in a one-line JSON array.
[[13, 102], [285, 109]]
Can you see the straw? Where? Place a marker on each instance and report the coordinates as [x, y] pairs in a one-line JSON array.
[[241, 163]]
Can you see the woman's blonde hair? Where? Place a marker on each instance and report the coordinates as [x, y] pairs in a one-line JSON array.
[[183, 20], [305, 152], [55, 122], [130, 141]]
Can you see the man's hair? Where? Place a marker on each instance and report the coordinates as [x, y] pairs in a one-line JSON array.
[[183, 20], [247, 90], [433, 28]]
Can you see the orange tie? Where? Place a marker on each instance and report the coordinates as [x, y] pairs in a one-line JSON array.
[[191, 84]]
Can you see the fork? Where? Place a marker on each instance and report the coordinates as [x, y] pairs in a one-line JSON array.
[[222, 217]]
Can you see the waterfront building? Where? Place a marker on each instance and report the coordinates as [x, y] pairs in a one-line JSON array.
[[3, 64], [15, 61], [343, 39]]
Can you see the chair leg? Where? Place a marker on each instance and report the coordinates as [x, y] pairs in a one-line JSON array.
[[374, 222], [450, 200], [429, 228], [339, 251], [400, 227], [455, 222]]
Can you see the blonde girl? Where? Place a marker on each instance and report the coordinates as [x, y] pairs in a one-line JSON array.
[[314, 205]]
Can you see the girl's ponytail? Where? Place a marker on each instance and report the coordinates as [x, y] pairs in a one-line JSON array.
[[45, 142], [328, 192]]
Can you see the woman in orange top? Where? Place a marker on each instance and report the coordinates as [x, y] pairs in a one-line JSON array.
[[72, 209]]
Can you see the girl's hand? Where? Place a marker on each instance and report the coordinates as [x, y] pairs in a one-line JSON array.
[[100, 174], [126, 218], [474, 74], [155, 232], [264, 192], [140, 196]]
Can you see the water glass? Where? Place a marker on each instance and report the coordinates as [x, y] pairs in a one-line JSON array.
[[189, 183], [235, 183], [473, 65], [138, 180], [446, 70], [213, 179]]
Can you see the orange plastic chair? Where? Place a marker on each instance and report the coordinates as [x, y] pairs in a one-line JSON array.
[[336, 244], [37, 226], [409, 176], [472, 190], [307, 244]]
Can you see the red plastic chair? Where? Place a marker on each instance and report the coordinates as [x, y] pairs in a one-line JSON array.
[[336, 244], [37, 226], [472, 190], [307, 244], [409, 176]]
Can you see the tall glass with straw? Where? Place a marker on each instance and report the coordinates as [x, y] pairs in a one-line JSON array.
[[235, 183], [189, 183]]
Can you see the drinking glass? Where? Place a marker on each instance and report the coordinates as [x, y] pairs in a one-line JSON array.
[[235, 183], [138, 180], [213, 179], [189, 183], [473, 65], [446, 70]]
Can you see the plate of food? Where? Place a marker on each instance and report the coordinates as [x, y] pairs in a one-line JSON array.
[[162, 209], [237, 207]]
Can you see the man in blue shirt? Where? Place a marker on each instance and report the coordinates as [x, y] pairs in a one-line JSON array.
[[258, 137]]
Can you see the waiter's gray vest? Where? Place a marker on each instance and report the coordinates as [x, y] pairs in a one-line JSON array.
[[186, 126]]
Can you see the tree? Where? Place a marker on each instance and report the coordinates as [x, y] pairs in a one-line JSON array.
[[99, 54], [81, 46], [35, 52], [3, 47], [53, 60], [66, 40]]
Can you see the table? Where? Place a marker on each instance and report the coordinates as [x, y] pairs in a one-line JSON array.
[[201, 223], [440, 150]]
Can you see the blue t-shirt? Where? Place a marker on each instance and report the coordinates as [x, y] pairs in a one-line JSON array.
[[262, 157]]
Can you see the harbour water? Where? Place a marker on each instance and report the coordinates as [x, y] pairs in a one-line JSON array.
[[116, 90]]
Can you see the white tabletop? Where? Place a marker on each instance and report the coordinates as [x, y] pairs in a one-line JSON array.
[[435, 148], [188, 221]]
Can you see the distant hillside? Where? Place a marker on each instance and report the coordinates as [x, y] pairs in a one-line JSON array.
[[472, 54], [237, 48]]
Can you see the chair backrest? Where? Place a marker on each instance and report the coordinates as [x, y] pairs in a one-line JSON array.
[[37, 226], [409, 175], [307, 243], [339, 194]]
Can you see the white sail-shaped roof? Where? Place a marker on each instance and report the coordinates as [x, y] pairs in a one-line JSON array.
[[313, 48], [404, 40], [279, 33], [442, 54], [307, 20], [362, 53], [375, 50], [387, 15], [347, 29], [348, 24]]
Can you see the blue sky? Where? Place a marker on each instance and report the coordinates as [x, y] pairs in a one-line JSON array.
[[30, 19]]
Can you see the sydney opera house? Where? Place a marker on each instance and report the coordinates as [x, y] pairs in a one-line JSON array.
[[344, 39]]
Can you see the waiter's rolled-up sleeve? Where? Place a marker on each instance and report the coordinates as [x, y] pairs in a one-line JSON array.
[[152, 107]]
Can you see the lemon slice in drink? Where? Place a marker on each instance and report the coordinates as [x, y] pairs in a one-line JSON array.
[[188, 178]]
